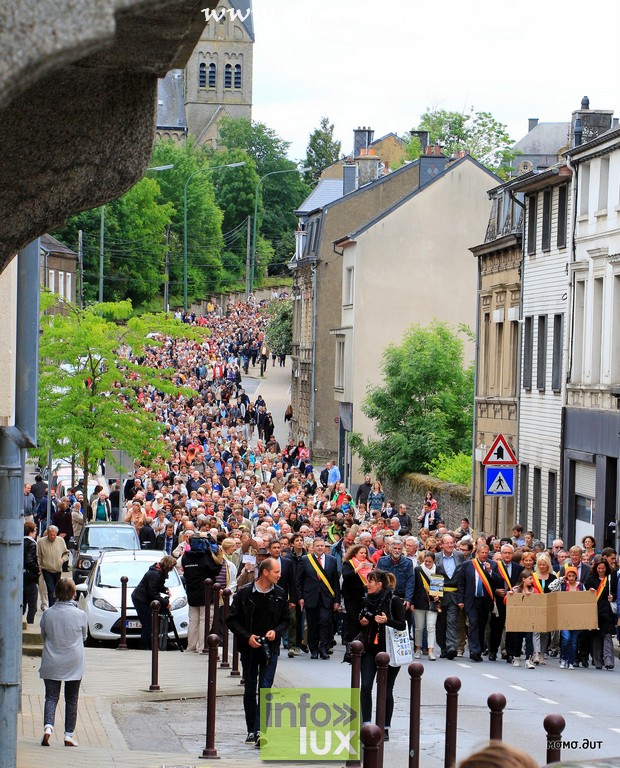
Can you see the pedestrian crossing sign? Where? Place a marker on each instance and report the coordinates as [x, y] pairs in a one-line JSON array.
[[499, 481]]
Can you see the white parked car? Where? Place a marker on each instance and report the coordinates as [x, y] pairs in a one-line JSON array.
[[100, 596]]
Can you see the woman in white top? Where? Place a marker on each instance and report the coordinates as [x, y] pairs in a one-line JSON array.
[[64, 628]]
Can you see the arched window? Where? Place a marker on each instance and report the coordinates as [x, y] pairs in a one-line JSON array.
[[237, 75], [228, 76], [202, 75], [212, 75]]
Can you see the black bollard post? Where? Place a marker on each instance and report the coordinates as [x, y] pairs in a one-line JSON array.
[[225, 634], [122, 643], [357, 648], [382, 661], [554, 726], [452, 686], [496, 703], [416, 670], [208, 593], [154, 686], [372, 738], [234, 672], [217, 589], [210, 751]]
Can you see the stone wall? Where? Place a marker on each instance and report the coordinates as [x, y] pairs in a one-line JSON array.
[[453, 501]]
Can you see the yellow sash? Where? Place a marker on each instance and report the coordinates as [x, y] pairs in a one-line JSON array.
[[504, 573], [321, 574], [483, 577], [538, 587], [356, 563], [601, 587]]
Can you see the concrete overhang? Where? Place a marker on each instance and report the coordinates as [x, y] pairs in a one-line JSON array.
[[78, 88]]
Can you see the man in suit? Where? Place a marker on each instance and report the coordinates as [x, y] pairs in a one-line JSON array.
[[168, 540], [508, 573], [318, 591], [476, 589], [447, 564], [583, 571]]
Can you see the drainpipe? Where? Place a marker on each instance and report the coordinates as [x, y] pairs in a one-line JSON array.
[[570, 332], [520, 353], [312, 390], [474, 463], [13, 444]]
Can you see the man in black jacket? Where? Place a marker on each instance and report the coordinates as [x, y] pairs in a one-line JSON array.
[[258, 616], [31, 571], [202, 561], [318, 591]]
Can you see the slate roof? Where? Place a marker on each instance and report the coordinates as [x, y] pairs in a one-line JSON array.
[[170, 101], [544, 139], [52, 245], [325, 192], [244, 6]]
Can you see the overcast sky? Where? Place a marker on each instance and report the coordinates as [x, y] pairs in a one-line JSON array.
[[382, 64]]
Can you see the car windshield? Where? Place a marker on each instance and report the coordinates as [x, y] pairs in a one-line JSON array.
[[109, 574], [103, 536]]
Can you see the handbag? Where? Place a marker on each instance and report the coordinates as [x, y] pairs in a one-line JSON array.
[[398, 646], [614, 606]]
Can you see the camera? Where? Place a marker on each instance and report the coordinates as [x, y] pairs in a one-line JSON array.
[[365, 613], [264, 644]]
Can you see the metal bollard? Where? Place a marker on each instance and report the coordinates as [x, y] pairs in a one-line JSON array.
[[122, 643], [208, 594], [215, 628], [382, 661], [210, 751], [225, 633], [154, 686], [496, 703], [234, 672], [416, 670], [372, 738], [452, 686], [554, 726], [357, 649]]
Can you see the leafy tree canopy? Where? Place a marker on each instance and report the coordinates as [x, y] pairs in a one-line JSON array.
[[424, 408], [279, 333], [92, 372], [479, 132], [323, 149]]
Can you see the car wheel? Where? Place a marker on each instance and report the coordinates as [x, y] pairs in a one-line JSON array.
[[90, 641]]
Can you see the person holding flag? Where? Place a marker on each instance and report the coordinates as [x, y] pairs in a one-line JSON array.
[[477, 582]]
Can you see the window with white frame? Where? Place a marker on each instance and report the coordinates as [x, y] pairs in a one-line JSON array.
[[615, 333], [51, 281], [61, 284], [603, 184], [339, 374], [584, 190], [348, 287], [597, 329], [69, 286], [580, 298]]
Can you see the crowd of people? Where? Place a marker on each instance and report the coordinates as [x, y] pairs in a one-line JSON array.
[[305, 558]]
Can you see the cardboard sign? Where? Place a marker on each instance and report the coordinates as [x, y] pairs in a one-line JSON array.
[[555, 610]]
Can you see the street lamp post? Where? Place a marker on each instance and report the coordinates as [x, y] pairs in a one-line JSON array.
[[254, 227], [189, 178]]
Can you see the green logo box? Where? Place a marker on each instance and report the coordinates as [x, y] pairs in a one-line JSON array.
[[309, 724]]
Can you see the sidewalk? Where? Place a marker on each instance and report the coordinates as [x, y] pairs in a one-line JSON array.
[[115, 683]]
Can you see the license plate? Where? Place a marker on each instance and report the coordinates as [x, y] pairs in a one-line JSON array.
[[133, 625]]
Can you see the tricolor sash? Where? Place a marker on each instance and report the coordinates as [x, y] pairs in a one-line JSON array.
[[504, 573], [601, 587], [483, 577], [321, 574], [538, 587]]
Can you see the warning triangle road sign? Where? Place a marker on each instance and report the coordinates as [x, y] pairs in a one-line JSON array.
[[500, 454]]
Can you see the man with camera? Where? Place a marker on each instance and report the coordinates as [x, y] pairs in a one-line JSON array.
[[258, 616]]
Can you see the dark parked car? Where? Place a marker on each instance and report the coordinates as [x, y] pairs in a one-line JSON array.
[[101, 537]]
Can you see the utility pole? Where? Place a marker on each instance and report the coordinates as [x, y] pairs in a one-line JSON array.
[[248, 259], [101, 244], [80, 296], [167, 272]]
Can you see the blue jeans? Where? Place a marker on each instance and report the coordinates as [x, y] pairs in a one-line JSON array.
[[569, 644], [257, 673]]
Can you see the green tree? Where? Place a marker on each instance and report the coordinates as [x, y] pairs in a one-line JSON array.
[[323, 149], [479, 132], [279, 333], [279, 195], [89, 386], [453, 468], [425, 406]]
